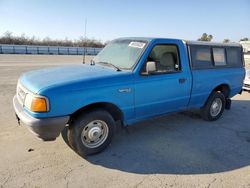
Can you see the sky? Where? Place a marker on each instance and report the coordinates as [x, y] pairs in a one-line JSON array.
[[110, 19]]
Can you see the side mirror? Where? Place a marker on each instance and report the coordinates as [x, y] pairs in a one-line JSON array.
[[92, 62], [150, 67]]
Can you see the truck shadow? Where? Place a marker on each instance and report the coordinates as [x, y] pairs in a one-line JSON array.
[[181, 144]]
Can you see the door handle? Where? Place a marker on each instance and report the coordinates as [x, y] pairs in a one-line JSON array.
[[182, 80]]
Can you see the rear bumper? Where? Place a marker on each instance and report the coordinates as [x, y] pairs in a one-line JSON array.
[[46, 129]]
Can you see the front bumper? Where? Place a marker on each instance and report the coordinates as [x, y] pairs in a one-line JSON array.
[[246, 86], [46, 129]]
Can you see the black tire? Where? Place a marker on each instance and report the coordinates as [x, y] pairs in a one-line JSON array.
[[64, 134], [80, 124], [206, 113]]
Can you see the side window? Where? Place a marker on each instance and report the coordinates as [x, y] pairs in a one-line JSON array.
[[234, 56], [166, 58], [219, 56], [201, 57], [204, 57]]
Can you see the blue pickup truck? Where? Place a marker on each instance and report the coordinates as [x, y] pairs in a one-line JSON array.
[[130, 80]]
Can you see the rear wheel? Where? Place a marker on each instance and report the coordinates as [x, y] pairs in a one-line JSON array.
[[214, 107], [91, 132]]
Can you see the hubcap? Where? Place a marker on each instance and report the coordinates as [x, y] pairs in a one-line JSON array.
[[216, 107], [94, 134]]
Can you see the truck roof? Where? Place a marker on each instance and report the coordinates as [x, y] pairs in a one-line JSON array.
[[189, 42]]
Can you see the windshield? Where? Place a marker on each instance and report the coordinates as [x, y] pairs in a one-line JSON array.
[[121, 53]]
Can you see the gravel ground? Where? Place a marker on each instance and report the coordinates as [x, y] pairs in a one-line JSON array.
[[178, 150]]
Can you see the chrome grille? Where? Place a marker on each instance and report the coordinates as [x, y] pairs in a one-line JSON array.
[[20, 94]]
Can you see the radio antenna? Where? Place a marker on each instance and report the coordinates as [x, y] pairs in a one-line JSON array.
[[85, 41]]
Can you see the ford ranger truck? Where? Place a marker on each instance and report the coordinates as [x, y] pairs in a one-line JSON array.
[[130, 80]]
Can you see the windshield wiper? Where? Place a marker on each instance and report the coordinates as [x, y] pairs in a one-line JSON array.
[[109, 64]]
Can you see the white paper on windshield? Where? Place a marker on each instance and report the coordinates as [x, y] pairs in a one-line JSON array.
[[137, 44]]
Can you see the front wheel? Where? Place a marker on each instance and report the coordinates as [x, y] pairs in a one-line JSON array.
[[91, 132], [214, 107]]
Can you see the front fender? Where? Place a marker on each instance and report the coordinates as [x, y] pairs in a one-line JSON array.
[[67, 103]]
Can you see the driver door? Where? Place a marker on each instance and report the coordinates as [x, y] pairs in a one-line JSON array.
[[165, 90]]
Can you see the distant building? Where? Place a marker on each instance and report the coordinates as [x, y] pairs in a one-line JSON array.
[[246, 46], [246, 50]]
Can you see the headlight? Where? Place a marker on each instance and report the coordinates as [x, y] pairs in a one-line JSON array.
[[36, 103]]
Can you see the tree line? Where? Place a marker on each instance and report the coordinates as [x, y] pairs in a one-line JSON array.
[[209, 37], [9, 38]]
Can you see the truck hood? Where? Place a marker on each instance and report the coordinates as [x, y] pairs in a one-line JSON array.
[[44, 78]]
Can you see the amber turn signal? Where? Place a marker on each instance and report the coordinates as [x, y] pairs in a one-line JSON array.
[[38, 105]]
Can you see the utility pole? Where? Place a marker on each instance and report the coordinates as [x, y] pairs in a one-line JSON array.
[[85, 40]]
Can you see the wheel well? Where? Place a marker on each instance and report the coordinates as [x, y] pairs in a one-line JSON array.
[[115, 112], [223, 88]]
